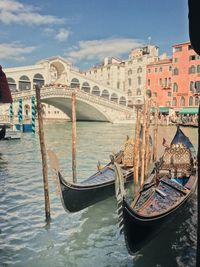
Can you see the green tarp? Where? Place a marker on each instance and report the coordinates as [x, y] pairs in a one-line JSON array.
[[188, 111]]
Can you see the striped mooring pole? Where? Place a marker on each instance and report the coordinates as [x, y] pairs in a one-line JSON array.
[[11, 111], [33, 114], [20, 112]]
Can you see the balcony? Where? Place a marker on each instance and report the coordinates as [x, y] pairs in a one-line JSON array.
[[166, 86]]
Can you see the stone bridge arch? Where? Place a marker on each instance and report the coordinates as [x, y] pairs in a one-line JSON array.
[[85, 111]]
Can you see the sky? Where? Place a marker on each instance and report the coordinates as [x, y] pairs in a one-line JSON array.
[[86, 31]]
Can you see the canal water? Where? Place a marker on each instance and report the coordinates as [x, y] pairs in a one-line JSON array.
[[89, 237]]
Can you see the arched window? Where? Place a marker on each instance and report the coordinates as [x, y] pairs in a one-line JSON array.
[[114, 98], [96, 91], [139, 70], [182, 102], [86, 87], [24, 83], [75, 83], [190, 101], [192, 69], [129, 82], [175, 87], [196, 101], [198, 68], [122, 101], [176, 72], [174, 102], [138, 91], [129, 71], [38, 79], [105, 94], [12, 84], [129, 92]]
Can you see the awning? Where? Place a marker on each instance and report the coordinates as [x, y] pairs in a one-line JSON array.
[[161, 109], [164, 110], [188, 111]]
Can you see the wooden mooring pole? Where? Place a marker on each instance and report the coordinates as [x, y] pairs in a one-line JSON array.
[[137, 150], [74, 137], [155, 132], [44, 155], [143, 147]]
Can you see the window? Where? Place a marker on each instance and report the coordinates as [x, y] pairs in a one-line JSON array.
[[192, 69], [175, 60], [165, 82], [175, 87], [118, 85], [160, 82], [129, 72], [160, 70], [156, 69], [149, 82], [155, 94], [182, 102], [138, 91], [170, 68], [178, 49], [193, 57], [190, 101], [149, 70], [169, 81], [174, 102], [175, 72], [191, 86], [196, 101], [129, 82], [189, 47], [139, 70], [169, 94], [197, 86], [198, 68]]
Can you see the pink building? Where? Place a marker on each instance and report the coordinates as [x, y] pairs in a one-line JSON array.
[[158, 80], [185, 76], [174, 81]]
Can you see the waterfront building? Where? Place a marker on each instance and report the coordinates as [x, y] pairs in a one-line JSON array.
[[111, 72], [173, 81], [127, 75], [159, 82], [185, 76], [135, 72]]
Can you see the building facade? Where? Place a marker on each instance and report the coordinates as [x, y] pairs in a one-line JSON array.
[[159, 81], [185, 76]]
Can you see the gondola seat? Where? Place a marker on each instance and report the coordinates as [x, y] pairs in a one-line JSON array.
[[177, 159]]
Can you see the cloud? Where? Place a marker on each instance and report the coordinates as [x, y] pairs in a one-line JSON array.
[[12, 11], [15, 51], [98, 49], [62, 35]]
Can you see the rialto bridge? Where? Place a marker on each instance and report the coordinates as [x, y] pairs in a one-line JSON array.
[[89, 107], [57, 78]]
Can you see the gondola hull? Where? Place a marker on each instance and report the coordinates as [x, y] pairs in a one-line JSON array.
[[163, 195], [138, 231], [76, 197]]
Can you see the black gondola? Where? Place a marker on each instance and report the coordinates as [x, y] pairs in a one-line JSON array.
[[101, 185], [164, 194]]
